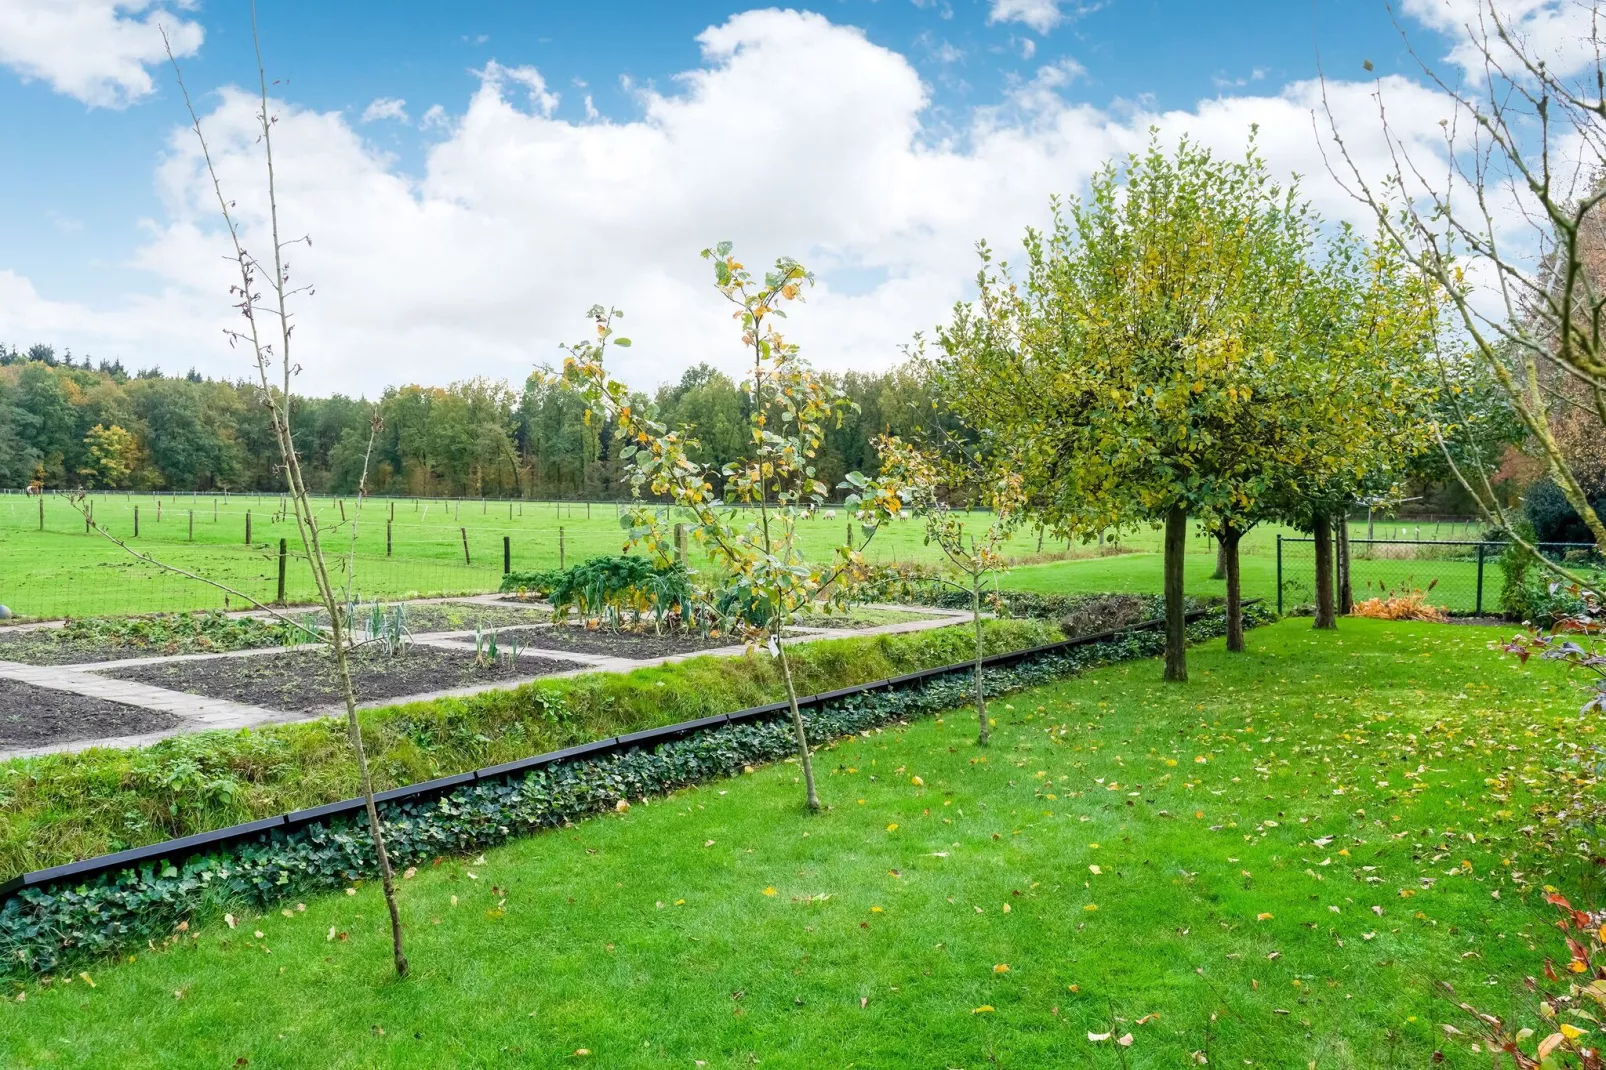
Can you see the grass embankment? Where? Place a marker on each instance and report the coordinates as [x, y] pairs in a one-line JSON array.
[[1129, 856], [63, 807]]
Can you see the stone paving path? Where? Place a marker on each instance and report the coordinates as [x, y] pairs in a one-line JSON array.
[[198, 713]]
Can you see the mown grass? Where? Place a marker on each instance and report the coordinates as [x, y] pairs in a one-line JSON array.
[[58, 808], [62, 571], [1449, 583], [949, 921]]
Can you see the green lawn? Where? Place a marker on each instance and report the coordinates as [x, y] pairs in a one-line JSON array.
[[62, 571], [1451, 584], [951, 922]]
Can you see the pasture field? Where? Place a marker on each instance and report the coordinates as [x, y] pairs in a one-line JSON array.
[[1273, 865], [64, 571]]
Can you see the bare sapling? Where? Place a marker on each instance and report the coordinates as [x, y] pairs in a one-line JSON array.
[[931, 482], [751, 534], [267, 336]]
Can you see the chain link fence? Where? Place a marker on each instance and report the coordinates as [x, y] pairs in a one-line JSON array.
[[1464, 578]]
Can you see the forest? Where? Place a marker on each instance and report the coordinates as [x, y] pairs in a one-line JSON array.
[[67, 423]]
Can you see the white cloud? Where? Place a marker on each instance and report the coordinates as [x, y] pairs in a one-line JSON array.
[[1559, 32], [1040, 15], [435, 118], [96, 50], [795, 136], [495, 76], [385, 108]]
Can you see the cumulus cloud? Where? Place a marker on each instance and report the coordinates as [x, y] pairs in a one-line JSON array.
[[1556, 31], [385, 108], [99, 51], [519, 220]]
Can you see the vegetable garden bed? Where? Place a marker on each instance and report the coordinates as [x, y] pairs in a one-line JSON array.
[[38, 716], [94, 639], [425, 617], [636, 645], [306, 680]]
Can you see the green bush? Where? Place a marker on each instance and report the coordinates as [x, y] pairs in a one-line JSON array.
[[52, 928], [1553, 517]]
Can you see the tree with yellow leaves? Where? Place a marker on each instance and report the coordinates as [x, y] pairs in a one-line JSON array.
[[1174, 351]]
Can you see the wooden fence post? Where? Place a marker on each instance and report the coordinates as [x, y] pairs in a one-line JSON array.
[[192, 525], [507, 554], [41, 509], [284, 547], [248, 527], [387, 538], [464, 533], [136, 521], [560, 547]]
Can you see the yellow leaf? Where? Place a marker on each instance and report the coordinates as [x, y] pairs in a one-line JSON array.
[[1002, 967], [1091, 907], [87, 979], [892, 827], [985, 1008], [1262, 917], [917, 782], [769, 891], [1095, 870]]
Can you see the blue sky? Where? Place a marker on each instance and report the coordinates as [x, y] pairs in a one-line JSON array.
[[91, 227]]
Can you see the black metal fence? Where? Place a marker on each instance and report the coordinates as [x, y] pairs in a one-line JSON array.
[[1462, 577]]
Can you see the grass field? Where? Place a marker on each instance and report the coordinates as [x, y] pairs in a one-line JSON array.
[[1129, 856], [1454, 584], [62, 571]]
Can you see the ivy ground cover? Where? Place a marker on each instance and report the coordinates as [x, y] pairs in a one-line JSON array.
[[1273, 864]]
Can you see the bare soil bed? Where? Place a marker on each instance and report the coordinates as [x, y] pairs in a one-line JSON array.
[[304, 680], [36, 716], [638, 646]]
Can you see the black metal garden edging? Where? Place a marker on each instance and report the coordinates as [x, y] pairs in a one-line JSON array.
[[174, 851]]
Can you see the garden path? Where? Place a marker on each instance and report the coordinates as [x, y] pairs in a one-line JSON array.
[[196, 713]]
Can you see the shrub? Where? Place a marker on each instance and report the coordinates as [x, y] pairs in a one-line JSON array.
[[1568, 1014], [1553, 517], [1412, 605], [47, 929]]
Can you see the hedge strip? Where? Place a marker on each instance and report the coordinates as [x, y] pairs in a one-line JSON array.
[[51, 926]]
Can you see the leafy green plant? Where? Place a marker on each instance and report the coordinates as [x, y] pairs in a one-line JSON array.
[[180, 633]]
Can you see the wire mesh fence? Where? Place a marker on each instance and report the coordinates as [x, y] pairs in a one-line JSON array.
[[1463, 578]]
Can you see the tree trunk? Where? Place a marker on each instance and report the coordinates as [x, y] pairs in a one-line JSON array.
[[1346, 592], [387, 877], [1230, 537], [1322, 529], [797, 727], [1221, 559], [981, 693], [1176, 547]]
